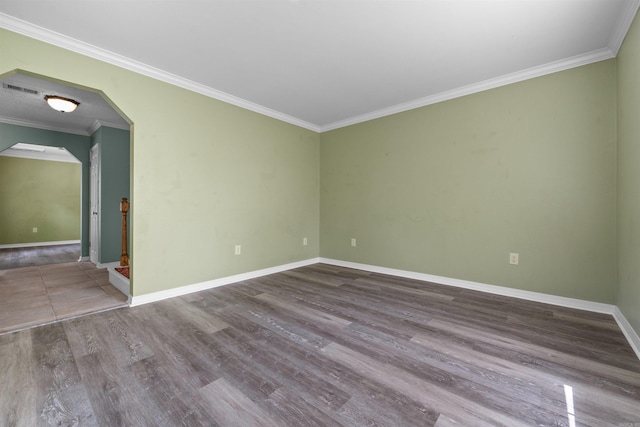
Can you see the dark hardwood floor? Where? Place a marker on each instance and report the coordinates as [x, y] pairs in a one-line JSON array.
[[324, 346], [38, 255]]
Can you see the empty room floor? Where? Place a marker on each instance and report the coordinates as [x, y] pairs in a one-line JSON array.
[[46, 293], [38, 255], [324, 346]]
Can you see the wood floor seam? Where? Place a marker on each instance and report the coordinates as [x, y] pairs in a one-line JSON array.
[[321, 345]]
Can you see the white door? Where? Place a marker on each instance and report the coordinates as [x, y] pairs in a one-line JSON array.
[[94, 235]]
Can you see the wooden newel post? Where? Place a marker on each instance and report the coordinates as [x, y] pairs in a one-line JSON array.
[[124, 208]]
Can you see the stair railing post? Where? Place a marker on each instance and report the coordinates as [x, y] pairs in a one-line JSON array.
[[124, 208]]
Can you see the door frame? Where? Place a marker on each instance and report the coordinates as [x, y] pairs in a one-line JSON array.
[[94, 204]]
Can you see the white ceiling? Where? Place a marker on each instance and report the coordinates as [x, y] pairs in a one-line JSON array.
[[26, 108], [326, 64]]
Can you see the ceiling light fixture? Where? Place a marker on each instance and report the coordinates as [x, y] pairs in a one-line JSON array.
[[59, 103]]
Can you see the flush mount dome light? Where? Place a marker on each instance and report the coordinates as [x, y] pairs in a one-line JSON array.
[[59, 103]]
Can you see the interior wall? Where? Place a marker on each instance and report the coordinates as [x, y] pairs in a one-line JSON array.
[[448, 189], [115, 175], [453, 188], [206, 176], [41, 194], [77, 145], [628, 61]]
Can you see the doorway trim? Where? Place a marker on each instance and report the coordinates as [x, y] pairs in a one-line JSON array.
[[94, 204]]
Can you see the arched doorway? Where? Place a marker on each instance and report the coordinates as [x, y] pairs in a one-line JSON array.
[[40, 188], [25, 117]]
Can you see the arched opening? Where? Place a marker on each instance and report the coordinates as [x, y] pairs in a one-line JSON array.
[[97, 123], [40, 211]]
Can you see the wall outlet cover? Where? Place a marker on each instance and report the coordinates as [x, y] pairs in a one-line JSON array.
[[514, 258]]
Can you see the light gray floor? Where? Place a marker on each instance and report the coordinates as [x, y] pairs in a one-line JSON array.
[[41, 294], [38, 255]]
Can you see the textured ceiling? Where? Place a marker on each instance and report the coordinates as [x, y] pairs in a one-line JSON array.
[[327, 64], [30, 109]]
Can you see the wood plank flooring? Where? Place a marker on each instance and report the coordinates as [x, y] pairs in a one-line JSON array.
[[323, 346]]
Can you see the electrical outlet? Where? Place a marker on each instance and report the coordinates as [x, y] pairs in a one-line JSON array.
[[514, 258], [35, 229], [238, 249], [353, 242], [305, 241]]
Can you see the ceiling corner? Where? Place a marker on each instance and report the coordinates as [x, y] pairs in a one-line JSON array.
[[624, 22], [94, 127]]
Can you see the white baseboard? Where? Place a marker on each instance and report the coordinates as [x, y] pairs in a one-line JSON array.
[[197, 287], [628, 331], [108, 264], [625, 326], [482, 287], [31, 245], [120, 282]]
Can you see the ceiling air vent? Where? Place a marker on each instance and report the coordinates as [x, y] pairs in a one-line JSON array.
[[20, 89]]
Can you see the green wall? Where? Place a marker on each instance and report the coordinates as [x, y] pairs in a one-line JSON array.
[[42, 194], [206, 175], [77, 145], [115, 174], [451, 189], [628, 297]]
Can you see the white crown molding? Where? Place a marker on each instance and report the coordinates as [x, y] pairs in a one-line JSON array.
[[25, 28], [552, 67], [30, 30], [623, 24], [100, 123], [94, 127], [38, 125]]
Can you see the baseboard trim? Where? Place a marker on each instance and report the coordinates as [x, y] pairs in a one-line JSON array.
[[209, 284], [120, 282], [482, 287], [627, 330], [31, 245], [108, 264], [630, 334]]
